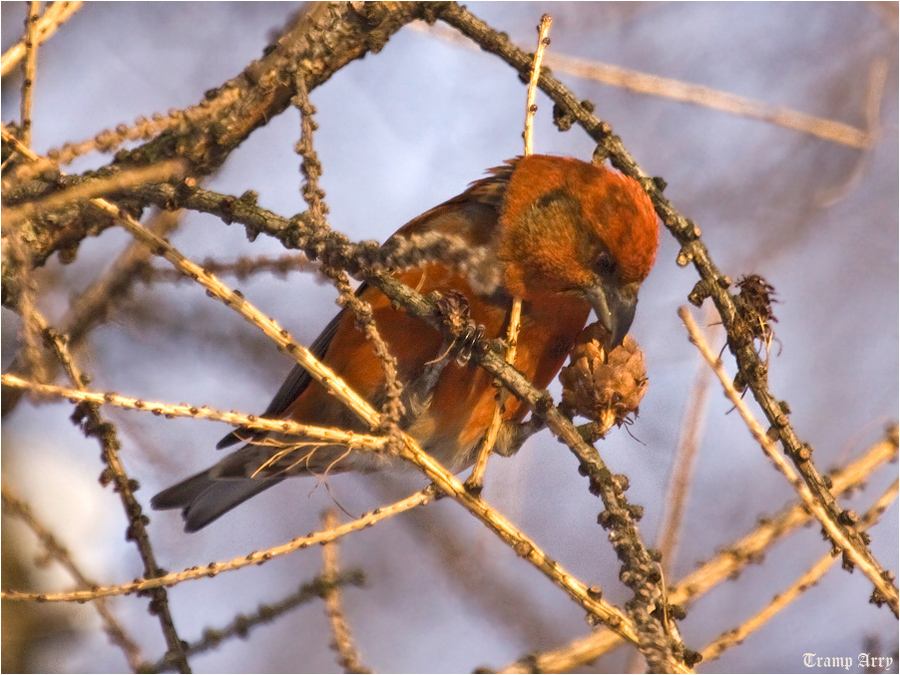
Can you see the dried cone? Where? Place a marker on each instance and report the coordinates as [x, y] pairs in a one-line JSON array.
[[605, 389]]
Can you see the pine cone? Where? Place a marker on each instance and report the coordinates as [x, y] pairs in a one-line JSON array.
[[603, 388]]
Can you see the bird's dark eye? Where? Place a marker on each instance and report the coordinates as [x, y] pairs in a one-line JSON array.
[[605, 265]]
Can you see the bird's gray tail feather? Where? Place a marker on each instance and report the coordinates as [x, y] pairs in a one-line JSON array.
[[202, 498]]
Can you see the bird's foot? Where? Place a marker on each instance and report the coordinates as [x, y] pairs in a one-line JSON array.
[[453, 310]]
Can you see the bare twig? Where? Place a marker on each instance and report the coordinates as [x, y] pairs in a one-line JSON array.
[[108, 141], [393, 408], [531, 106], [52, 18], [168, 410], [476, 478], [310, 167], [18, 255], [40, 163], [31, 47], [837, 531], [348, 656], [313, 195], [683, 464], [20, 147]]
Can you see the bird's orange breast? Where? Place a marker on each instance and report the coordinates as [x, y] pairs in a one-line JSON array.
[[464, 397]]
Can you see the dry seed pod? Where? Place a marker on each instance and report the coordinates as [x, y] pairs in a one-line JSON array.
[[604, 388]]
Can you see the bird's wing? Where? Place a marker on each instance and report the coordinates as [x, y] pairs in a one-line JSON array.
[[293, 386], [473, 215]]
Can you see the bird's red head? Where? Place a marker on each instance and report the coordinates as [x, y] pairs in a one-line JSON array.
[[572, 227]]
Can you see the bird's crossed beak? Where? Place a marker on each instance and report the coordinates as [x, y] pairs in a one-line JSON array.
[[615, 307]]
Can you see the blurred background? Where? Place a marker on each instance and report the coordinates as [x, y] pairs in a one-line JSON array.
[[399, 132]]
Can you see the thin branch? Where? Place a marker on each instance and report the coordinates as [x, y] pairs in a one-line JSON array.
[[168, 410], [348, 656], [310, 167], [40, 163], [321, 244], [19, 259], [53, 17], [531, 106], [476, 478], [55, 550], [393, 408], [211, 570], [18, 256], [737, 635], [686, 453], [31, 47], [108, 141], [838, 532]]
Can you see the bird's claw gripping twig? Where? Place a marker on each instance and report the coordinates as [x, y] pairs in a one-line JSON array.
[[513, 435], [453, 310]]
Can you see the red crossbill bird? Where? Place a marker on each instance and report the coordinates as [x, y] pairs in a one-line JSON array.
[[564, 236]]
